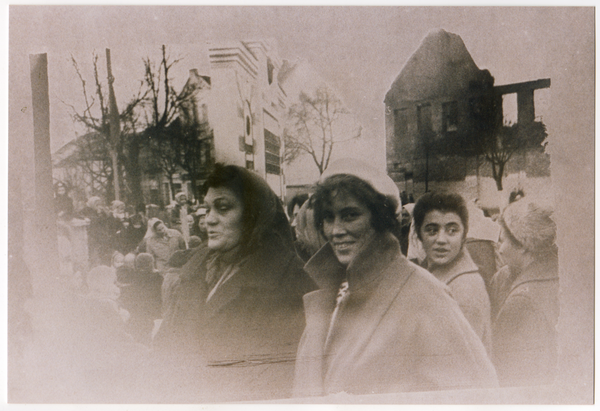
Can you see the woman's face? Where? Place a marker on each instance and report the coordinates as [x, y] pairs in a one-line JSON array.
[[224, 218], [442, 234], [511, 253], [347, 226], [118, 260]]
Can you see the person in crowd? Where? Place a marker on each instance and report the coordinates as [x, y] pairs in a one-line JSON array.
[[161, 242], [293, 208], [63, 204], [141, 297], [414, 252], [154, 211], [99, 243], [117, 260], [308, 239], [180, 257], [525, 304], [234, 318], [442, 223], [199, 227], [178, 260], [482, 242], [405, 226], [378, 323], [404, 198], [125, 271], [136, 229], [515, 195], [181, 209], [117, 225]]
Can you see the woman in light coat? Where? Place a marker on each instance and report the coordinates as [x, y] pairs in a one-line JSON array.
[[525, 305], [442, 222], [378, 323]]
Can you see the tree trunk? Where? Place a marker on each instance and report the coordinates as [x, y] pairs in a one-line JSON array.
[[194, 184], [171, 186], [134, 174], [498, 176]]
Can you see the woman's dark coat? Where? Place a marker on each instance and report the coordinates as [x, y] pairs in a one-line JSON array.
[[241, 344]]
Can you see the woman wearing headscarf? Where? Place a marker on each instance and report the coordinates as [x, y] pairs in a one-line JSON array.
[[441, 222], [117, 224], [161, 242], [378, 323], [525, 305], [235, 317], [100, 249], [63, 204]]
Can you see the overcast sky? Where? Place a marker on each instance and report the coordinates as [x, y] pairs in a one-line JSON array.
[[358, 50]]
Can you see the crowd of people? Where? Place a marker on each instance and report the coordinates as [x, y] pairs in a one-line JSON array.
[[349, 291]]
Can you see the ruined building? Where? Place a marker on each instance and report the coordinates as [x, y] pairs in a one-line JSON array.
[[438, 108]]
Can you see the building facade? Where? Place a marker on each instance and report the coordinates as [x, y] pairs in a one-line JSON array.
[[438, 108], [239, 107], [246, 108]]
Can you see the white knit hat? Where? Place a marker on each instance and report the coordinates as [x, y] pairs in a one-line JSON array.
[[531, 224], [380, 181]]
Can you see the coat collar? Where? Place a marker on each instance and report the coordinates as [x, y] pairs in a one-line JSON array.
[[256, 271], [462, 264], [363, 272], [542, 269], [375, 279]]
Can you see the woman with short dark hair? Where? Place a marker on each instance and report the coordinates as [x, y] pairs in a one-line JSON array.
[[378, 323], [441, 223], [234, 318]]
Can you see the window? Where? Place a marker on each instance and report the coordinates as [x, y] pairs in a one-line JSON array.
[[270, 69], [248, 126], [450, 117], [272, 156], [424, 118], [400, 122]]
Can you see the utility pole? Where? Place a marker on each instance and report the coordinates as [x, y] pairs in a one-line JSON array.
[[115, 126], [45, 219]]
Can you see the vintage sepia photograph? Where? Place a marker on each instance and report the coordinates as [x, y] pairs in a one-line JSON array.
[[300, 205]]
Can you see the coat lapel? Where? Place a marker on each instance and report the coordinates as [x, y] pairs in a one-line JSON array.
[[366, 307], [462, 264], [223, 295], [310, 362]]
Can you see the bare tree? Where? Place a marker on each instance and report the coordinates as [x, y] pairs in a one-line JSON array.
[[195, 158], [499, 147], [93, 155], [314, 127], [168, 141]]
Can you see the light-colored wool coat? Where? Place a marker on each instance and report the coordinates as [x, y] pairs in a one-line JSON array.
[[468, 289], [525, 316], [399, 330]]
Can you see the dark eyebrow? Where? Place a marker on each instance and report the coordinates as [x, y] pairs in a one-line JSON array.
[[350, 208]]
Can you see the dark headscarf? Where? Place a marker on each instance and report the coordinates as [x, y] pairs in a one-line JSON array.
[[267, 241], [265, 222]]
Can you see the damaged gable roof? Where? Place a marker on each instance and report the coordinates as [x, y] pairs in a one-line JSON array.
[[440, 66]]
